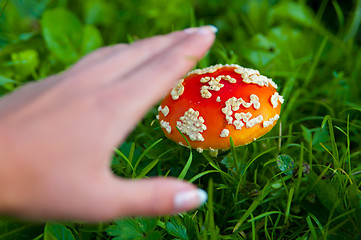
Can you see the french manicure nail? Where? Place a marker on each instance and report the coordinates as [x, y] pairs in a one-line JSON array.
[[201, 30], [186, 200], [213, 28]]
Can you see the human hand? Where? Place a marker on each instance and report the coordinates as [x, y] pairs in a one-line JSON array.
[[57, 135]]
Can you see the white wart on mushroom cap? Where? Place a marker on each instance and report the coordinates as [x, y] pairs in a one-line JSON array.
[[212, 104]]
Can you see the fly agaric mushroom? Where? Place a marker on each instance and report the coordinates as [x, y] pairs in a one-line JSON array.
[[212, 104]]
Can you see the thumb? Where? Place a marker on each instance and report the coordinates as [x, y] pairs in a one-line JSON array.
[[151, 197]]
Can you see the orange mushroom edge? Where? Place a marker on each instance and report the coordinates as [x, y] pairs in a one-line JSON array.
[[211, 105]]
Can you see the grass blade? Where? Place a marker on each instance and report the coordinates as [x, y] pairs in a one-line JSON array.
[[124, 157], [143, 154], [234, 155], [199, 175], [147, 169], [187, 166], [263, 215], [311, 227], [253, 206], [289, 202], [334, 154], [315, 62]]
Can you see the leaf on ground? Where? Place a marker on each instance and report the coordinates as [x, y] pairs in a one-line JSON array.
[[92, 39], [293, 11], [4, 80], [62, 31], [176, 229], [286, 164], [326, 193], [134, 229], [190, 225], [99, 12], [57, 231], [125, 229], [148, 224], [25, 62], [16, 230], [316, 136]]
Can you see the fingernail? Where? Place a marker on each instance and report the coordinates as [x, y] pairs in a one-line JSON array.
[[186, 200], [213, 28], [202, 30]]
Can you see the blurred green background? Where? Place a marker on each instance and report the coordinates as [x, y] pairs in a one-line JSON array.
[[306, 186]]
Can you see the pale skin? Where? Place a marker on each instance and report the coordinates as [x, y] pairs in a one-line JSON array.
[[57, 135]]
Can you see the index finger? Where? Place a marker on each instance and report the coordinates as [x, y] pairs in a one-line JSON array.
[[147, 82], [119, 61]]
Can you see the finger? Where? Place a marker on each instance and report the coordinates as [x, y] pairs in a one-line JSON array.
[[145, 86], [101, 200], [99, 55], [119, 61], [149, 197], [140, 51], [178, 57]]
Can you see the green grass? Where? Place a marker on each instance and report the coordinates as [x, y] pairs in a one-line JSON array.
[[300, 181]]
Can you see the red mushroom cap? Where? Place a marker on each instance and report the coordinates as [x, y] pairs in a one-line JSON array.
[[212, 104]]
